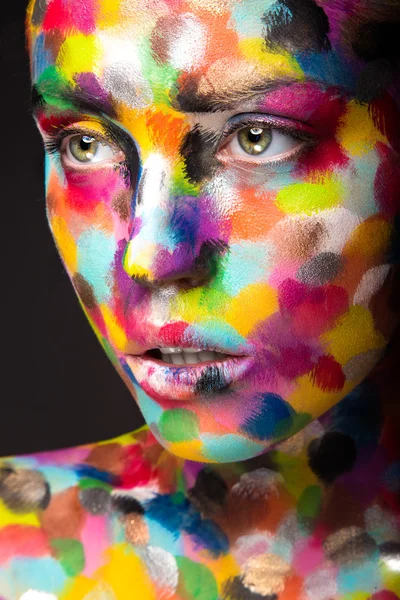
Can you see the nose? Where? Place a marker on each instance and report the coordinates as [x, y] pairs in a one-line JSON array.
[[170, 243]]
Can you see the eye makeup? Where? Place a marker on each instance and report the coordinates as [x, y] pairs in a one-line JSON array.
[[126, 154], [296, 129], [277, 127]]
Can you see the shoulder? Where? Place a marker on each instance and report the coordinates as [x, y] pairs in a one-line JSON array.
[[61, 511]]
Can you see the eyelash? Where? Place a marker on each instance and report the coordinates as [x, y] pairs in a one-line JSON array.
[[297, 131], [54, 141]]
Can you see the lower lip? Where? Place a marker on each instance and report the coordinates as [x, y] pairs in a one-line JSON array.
[[168, 382]]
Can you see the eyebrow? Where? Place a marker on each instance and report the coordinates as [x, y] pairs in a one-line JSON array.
[[190, 101], [187, 100], [80, 100]]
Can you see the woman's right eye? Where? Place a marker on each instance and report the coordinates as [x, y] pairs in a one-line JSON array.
[[87, 150]]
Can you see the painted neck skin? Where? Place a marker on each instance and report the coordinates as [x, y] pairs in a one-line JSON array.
[[188, 214], [315, 519]]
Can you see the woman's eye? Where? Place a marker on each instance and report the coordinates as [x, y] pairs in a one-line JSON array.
[[85, 149], [254, 140], [256, 143]]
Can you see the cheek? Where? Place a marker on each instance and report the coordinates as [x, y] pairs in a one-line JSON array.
[[77, 202], [89, 219]]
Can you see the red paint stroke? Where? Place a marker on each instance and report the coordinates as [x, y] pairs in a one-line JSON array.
[[172, 333], [22, 540], [328, 374]]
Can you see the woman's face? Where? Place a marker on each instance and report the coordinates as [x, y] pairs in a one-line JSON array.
[[223, 198]]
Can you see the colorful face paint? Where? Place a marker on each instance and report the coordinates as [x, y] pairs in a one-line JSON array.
[[222, 187], [222, 184]]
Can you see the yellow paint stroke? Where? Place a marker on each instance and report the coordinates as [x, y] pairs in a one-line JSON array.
[[357, 133], [79, 54], [297, 477], [189, 450], [8, 517], [126, 574], [391, 580], [138, 264], [108, 14], [78, 588], [115, 331], [65, 243], [222, 568], [308, 398], [354, 334], [253, 304], [189, 307], [371, 238], [310, 198], [270, 64]]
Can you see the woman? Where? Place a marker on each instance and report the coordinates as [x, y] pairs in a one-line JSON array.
[[222, 185]]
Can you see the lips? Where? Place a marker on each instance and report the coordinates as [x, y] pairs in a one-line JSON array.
[[174, 382], [188, 369]]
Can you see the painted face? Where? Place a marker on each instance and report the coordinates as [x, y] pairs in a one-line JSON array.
[[222, 185]]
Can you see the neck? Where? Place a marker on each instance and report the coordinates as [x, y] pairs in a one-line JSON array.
[[356, 440]]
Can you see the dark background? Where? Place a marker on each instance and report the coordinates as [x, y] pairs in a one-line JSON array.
[[58, 388]]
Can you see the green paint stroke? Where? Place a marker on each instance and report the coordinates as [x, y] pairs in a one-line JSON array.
[[70, 554], [196, 582], [88, 483], [308, 198], [309, 503], [54, 89], [290, 426], [179, 425]]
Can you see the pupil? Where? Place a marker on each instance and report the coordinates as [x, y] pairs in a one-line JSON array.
[[255, 135], [86, 142]]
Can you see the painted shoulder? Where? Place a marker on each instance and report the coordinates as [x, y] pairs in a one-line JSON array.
[[69, 517]]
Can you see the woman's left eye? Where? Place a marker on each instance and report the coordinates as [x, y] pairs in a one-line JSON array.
[[87, 150], [257, 143]]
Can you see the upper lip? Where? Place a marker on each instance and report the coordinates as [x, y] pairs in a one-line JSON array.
[[155, 341]]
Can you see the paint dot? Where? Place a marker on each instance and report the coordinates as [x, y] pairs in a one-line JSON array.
[[136, 530], [84, 291], [162, 568], [328, 374], [349, 546], [390, 554], [195, 580], [332, 455], [96, 501], [70, 554], [234, 589], [126, 505], [211, 381], [24, 490], [258, 484], [321, 585], [309, 503], [36, 595], [178, 425], [266, 574], [229, 448], [209, 492], [266, 421], [321, 269]]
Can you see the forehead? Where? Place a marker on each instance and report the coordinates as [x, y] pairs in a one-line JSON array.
[[143, 51], [186, 35]]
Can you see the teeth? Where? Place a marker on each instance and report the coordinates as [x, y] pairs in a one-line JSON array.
[[178, 350], [189, 356], [206, 356], [177, 359]]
